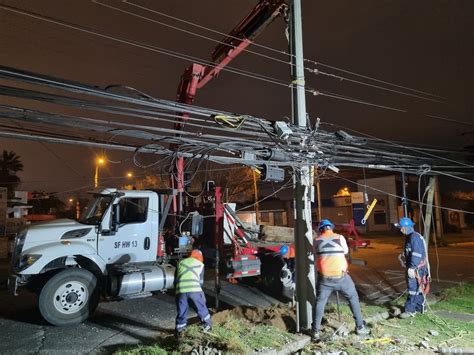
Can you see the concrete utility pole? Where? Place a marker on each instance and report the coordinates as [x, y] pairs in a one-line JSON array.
[[305, 276]]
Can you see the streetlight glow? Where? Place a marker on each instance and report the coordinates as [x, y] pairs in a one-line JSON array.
[[99, 161], [129, 174]]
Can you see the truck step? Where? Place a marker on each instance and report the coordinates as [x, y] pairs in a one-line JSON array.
[[137, 295]]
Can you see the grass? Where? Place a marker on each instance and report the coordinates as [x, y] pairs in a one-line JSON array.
[[142, 350], [239, 336], [457, 299], [236, 336], [405, 334]]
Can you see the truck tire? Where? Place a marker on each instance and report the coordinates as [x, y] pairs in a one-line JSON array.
[[277, 276], [69, 297]]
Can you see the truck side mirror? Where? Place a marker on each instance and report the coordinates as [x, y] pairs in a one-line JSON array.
[[115, 218]]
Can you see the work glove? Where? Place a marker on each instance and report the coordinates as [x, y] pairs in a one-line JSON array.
[[401, 258], [411, 273]]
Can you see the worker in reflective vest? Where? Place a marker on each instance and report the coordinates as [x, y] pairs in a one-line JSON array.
[[415, 260], [330, 250], [189, 280]]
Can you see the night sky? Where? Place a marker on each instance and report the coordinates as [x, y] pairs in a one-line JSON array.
[[426, 45]]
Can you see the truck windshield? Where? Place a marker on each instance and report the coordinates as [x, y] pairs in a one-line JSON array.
[[95, 209]]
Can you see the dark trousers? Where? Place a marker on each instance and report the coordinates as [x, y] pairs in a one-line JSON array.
[[325, 287], [199, 304], [416, 299]]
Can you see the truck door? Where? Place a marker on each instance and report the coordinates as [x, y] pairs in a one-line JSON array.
[[131, 242]]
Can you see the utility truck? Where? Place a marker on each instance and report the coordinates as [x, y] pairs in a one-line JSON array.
[[117, 250]]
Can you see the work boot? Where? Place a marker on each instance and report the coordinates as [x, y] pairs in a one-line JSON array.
[[406, 315], [206, 328], [315, 336], [178, 336], [363, 330]]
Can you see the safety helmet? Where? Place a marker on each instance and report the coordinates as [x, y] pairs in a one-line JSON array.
[[404, 222], [284, 250], [197, 254], [324, 224]]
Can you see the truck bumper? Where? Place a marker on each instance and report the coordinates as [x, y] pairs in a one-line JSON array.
[[13, 285]]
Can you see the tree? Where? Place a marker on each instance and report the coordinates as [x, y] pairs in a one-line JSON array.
[[149, 182], [10, 164], [47, 205], [236, 183]]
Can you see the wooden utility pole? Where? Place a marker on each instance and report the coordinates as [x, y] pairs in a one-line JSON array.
[[429, 210], [438, 217], [305, 276]]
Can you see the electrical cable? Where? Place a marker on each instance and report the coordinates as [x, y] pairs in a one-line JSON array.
[[273, 49], [313, 71], [452, 120], [399, 145], [453, 176], [192, 58], [341, 78], [350, 99], [163, 104]]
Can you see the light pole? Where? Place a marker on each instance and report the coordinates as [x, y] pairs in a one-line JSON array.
[[98, 162], [76, 206]]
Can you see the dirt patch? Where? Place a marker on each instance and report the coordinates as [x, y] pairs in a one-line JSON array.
[[281, 317]]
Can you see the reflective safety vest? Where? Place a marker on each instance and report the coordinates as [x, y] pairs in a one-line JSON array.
[[188, 277], [330, 252]]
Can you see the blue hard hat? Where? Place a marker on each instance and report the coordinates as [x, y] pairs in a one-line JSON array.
[[405, 222], [283, 250], [325, 223]]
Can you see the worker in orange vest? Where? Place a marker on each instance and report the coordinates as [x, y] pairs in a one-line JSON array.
[[332, 267]]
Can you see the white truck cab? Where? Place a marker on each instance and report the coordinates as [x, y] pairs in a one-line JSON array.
[[112, 250]]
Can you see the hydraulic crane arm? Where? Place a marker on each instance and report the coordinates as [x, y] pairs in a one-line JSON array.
[[197, 75]]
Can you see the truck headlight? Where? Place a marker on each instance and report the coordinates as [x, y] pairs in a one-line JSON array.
[[20, 240], [27, 260]]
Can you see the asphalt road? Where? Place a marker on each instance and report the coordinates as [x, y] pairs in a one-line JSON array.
[[384, 278], [114, 324], [143, 320]]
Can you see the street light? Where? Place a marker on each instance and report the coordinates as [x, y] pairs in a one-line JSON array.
[[129, 174], [76, 206], [98, 162]]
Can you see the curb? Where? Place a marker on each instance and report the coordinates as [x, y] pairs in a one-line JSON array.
[[290, 348]]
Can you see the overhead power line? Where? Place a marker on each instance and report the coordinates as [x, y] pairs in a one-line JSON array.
[[411, 148], [267, 48], [313, 71], [182, 56], [303, 146]]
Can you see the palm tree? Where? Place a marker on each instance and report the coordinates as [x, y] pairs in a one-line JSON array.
[[10, 164]]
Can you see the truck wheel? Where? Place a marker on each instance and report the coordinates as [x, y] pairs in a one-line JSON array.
[[69, 297], [277, 276]]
